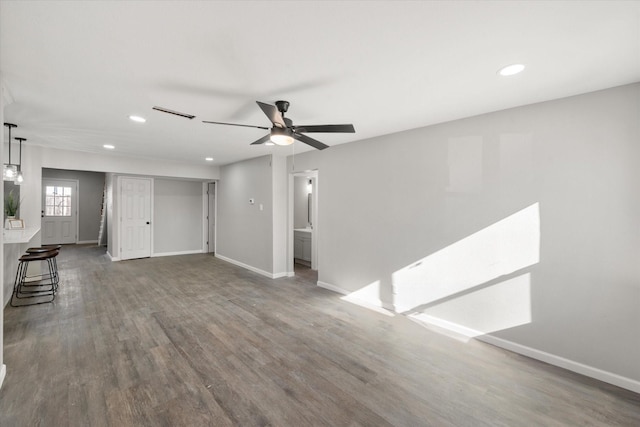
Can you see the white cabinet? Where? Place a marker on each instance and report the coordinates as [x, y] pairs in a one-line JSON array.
[[302, 245]]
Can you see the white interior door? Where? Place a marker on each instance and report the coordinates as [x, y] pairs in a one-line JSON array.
[[59, 211], [135, 218]]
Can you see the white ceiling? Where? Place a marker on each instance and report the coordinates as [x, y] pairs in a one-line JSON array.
[[77, 70]]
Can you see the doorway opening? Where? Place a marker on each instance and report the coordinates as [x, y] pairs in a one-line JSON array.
[[59, 222], [210, 218], [303, 203]]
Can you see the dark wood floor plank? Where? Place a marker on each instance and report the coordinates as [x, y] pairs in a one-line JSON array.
[[195, 341]]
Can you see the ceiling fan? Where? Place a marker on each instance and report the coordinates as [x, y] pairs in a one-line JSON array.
[[283, 131]]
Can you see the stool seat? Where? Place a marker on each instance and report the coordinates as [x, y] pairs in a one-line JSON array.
[[45, 248], [47, 283], [38, 256]]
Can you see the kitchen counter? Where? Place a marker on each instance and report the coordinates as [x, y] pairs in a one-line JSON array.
[[15, 243], [19, 236]]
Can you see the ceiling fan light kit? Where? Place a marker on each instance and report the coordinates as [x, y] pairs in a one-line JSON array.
[[281, 136], [283, 131]]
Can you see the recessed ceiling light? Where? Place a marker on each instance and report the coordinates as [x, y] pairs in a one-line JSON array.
[[138, 119], [209, 159], [269, 143], [510, 70], [109, 146]]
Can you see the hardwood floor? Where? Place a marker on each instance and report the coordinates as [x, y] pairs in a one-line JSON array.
[[195, 341]]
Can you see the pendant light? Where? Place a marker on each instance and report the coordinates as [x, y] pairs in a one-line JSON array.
[[19, 177], [10, 170]]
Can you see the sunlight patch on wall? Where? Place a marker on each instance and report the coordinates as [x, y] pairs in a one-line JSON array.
[[501, 306], [502, 248]]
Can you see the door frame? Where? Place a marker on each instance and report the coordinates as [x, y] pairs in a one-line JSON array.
[[77, 202], [315, 179], [206, 220]]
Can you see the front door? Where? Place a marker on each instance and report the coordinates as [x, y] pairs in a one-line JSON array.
[[59, 212], [135, 223]]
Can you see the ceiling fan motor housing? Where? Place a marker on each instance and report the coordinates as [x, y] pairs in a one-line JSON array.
[[282, 106]]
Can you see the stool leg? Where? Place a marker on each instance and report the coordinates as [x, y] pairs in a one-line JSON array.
[[18, 281], [20, 293]]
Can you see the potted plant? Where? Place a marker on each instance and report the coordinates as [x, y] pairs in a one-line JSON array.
[[11, 205]]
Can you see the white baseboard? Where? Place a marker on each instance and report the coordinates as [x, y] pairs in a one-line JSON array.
[[86, 242], [463, 331], [376, 303], [3, 373], [561, 362], [331, 287], [251, 268], [112, 258], [198, 251], [533, 353]]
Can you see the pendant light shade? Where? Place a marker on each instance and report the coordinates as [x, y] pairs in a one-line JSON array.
[[9, 171], [13, 172], [19, 178]]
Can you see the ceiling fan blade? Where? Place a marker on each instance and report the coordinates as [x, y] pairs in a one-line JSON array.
[[310, 141], [273, 114], [262, 140], [325, 128], [175, 113], [235, 124]]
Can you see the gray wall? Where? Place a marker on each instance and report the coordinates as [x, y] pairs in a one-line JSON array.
[[522, 224], [90, 189], [245, 233], [177, 216]]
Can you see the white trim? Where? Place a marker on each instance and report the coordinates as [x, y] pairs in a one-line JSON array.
[[196, 251], [314, 176], [206, 222], [552, 359], [376, 303], [445, 324], [561, 362], [254, 269], [331, 287], [86, 242], [3, 373], [111, 257]]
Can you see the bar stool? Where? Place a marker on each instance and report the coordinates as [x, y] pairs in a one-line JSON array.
[[44, 249], [45, 287]]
